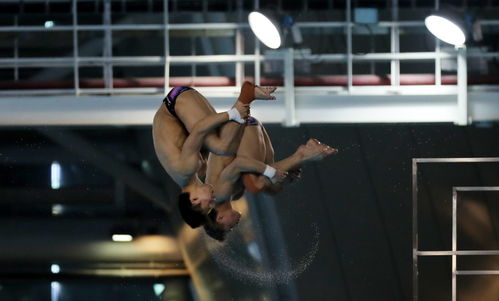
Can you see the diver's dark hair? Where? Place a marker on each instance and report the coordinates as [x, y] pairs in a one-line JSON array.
[[192, 217], [210, 227]]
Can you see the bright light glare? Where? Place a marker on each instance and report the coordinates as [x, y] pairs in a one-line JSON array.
[[264, 30], [55, 175], [122, 237], [49, 24], [55, 290], [57, 209], [445, 30], [55, 268], [158, 288]]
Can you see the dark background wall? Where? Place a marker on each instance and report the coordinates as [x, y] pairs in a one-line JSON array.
[[355, 207], [361, 199]]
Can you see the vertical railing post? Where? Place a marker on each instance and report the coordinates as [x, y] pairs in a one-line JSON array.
[[257, 52], [76, 69], [415, 241], [349, 45], [454, 243], [395, 45], [166, 37], [239, 46], [16, 51], [462, 87], [438, 60], [289, 87], [193, 53], [108, 46]]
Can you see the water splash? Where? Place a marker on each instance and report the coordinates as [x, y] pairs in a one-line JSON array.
[[230, 261]]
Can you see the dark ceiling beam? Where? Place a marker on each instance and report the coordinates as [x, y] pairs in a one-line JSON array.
[[109, 164]]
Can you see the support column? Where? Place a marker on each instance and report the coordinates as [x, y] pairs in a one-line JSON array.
[[289, 87], [395, 46], [462, 117]]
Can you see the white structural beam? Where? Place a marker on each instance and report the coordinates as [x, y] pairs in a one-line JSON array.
[[289, 83], [462, 88], [312, 105]]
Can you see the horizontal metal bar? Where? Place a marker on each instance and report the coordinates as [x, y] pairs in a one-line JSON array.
[[82, 61], [402, 56], [226, 58], [344, 24], [322, 24], [482, 54], [37, 92], [201, 26], [204, 26], [35, 28], [456, 160], [408, 56], [121, 91], [130, 27], [400, 23], [477, 272], [462, 253], [301, 91], [489, 22], [36, 62], [93, 91], [122, 60], [370, 91], [128, 60], [223, 58], [191, 26], [478, 188]]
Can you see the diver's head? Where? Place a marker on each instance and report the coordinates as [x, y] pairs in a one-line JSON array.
[[220, 222], [227, 219], [195, 202], [201, 197], [192, 217]]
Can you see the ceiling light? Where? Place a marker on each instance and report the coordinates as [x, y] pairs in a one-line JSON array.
[[49, 24], [55, 175], [57, 209], [122, 237], [158, 288], [55, 269], [265, 29], [447, 26]]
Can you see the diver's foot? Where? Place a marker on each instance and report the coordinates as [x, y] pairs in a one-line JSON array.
[[314, 150], [247, 94], [264, 92]]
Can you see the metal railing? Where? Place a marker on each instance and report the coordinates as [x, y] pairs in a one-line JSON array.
[[108, 61], [454, 253]]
